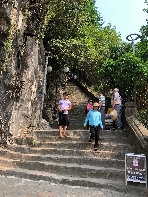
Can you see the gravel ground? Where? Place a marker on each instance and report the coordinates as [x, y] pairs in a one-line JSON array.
[[16, 187]]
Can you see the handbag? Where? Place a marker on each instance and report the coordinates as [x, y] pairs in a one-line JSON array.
[[113, 114]]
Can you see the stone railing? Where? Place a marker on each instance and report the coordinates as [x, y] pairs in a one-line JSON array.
[[92, 95], [135, 130]]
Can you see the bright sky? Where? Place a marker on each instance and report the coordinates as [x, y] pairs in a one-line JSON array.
[[126, 15]]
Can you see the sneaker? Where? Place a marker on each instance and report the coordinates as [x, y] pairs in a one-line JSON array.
[[112, 129], [119, 129], [95, 149]]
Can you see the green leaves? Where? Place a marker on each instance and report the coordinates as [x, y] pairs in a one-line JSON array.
[[123, 69], [142, 116], [75, 36]]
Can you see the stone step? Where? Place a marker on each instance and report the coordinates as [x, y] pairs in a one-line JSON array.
[[85, 145], [77, 125], [76, 118], [80, 133], [71, 152], [11, 155], [83, 171], [48, 138], [79, 111], [117, 185], [79, 108], [72, 126]]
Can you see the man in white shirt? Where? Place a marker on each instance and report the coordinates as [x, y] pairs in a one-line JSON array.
[[117, 106]]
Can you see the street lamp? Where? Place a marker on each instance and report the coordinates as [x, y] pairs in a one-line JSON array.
[[132, 38], [49, 69]]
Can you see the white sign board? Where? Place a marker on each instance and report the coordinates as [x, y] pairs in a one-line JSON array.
[[135, 168]]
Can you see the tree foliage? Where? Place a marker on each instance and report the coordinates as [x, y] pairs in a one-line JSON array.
[[123, 69], [75, 36]]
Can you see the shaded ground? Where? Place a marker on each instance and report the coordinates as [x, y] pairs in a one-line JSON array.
[[15, 187]]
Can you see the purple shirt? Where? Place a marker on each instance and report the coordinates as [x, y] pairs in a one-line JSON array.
[[117, 98], [64, 104]]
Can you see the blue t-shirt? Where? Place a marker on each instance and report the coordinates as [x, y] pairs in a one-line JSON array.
[[94, 118]]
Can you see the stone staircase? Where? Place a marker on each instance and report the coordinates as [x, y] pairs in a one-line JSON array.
[[71, 160]]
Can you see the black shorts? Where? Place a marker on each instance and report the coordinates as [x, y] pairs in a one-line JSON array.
[[63, 119]]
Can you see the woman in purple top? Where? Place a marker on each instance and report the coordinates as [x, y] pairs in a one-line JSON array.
[[63, 107]]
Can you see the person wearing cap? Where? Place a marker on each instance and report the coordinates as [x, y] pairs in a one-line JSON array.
[[102, 107], [94, 118], [117, 106], [63, 107]]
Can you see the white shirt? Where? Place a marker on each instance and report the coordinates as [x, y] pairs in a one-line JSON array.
[[102, 99]]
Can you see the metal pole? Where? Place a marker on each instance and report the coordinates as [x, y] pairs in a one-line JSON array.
[[56, 93], [134, 86], [130, 38], [46, 63], [44, 87], [133, 46]]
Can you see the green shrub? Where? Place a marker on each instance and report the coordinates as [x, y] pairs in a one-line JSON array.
[[143, 117]]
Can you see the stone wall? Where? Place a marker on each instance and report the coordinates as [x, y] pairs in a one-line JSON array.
[[135, 130], [24, 55]]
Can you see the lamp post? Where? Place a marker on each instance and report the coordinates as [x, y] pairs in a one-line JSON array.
[[132, 38], [1, 72], [43, 84], [49, 69]]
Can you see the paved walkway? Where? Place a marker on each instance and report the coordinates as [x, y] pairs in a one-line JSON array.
[[15, 187]]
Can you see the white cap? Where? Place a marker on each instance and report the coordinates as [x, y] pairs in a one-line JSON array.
[[116, 89]]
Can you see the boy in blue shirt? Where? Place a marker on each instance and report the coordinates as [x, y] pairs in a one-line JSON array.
[[94, 117]]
